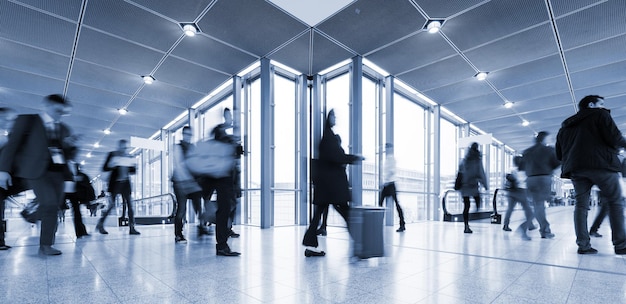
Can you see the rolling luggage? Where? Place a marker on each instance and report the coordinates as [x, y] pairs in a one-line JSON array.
[[366, 227]]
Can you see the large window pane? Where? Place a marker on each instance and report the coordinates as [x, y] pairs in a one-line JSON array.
[[370, 141]]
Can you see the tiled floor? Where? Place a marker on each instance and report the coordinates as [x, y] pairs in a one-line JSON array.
[[432, 262]]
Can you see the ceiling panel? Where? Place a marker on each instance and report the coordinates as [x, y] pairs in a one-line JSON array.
[[600, 75], [118, 54], [24, 58], [493, 20], [32, 83], [438, 74], [167, 94], [98, 101], [326, 53], [211, 53], [543, 87], [296, 54], [105, 78], [364, 25], [444, 9], [414, 51], [24, 25], [189, 76], [256, 26], [533, 71], [186, 11], [596, 54], [465, 89], [67, 8], [526, 46], [161, 35], [562, 7], [609, 20]]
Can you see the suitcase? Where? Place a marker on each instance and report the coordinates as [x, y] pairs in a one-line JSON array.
[[366, 227]]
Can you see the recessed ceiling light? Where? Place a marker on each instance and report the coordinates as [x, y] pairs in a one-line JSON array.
[[525, 123], [508, 104], [190, 29], [96, 145], [122, 111], [433, 25], [481, 75], [148, 79], [89, 155], [107, 131]]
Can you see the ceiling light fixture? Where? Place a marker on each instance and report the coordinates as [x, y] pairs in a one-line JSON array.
[[525, 123], [96, 145], [433, 25], [508, 104], [122, 111], [481, 75], [190, 29], [107, 131], [148, 79], [89, 155]]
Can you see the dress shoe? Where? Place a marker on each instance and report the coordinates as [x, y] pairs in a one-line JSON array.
[[532, 227], [80, 236], [506, 228], [5, 247], [401, 229], [203, 230], [180, 240], [468, 230], [595, 234], [548, 236], [101, 230], [312, 253], [227, 252], [587, 251], [134, 232], [620, 251], [48, 250], [233, 234]]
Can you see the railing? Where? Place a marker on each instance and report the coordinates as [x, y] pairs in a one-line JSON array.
[[160, 205], [448, 216]]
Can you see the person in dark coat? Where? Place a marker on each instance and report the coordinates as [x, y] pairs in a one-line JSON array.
[[539, 161], [588, 145], [473, 174], [330, 181]]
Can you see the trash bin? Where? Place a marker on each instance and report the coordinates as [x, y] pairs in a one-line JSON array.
[[366, 228]]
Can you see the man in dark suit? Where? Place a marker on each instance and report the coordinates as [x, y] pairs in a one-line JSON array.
[[121, 165], [35, 153], [7, 117]]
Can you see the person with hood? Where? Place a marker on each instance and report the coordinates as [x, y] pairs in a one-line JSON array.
[[473, 174], [330, 181], [588, 145]]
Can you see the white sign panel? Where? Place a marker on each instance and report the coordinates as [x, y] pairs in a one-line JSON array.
[[144, 143], [485, 139]]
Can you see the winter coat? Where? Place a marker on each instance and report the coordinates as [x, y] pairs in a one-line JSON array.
[[329, 172], [539, 160], [473, 174], [589, 139]]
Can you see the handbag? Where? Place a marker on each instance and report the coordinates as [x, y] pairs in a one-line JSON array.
[[30, 211], [209, 212], [458, 182], [211, 158]]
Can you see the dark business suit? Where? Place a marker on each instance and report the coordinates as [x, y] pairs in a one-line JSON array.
[[26, 155], [76, 199], [119, 185]]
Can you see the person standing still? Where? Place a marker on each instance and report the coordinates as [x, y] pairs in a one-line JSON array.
[[36, 152], [389, 185], [121, 165], [473, 175], [588, 144], [539, 161]]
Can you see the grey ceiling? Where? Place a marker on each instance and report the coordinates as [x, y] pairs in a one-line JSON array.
[[543, 55]]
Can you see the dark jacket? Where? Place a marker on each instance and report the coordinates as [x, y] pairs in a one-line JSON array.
[[473, 174], [589, 140], [330, 179], [539, 160], [115, 170]]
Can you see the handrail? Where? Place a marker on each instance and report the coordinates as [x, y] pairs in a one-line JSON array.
[[153, 197], [149, 203], [445, 195]]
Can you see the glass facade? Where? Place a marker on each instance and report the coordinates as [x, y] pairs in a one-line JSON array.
[[412, 122]]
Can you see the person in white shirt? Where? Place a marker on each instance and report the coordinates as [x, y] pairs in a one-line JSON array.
[[389, 184]]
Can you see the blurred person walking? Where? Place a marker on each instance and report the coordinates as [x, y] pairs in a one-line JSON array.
[[516, 193], [473, 177], [121, 165], [539, 161], [330, 181], [7, 118], [36, 152], [389, 184], [185, 188], [588, 144]]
